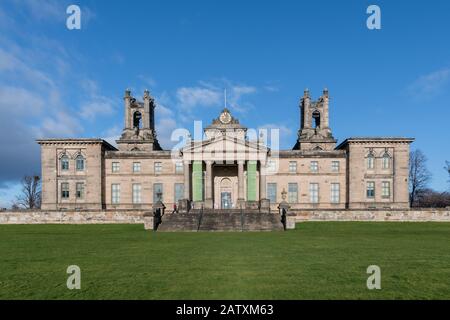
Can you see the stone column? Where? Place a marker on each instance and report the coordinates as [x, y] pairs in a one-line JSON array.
[[264, 203], [208, 185], [184, 204], [241, 197], [187, 190]]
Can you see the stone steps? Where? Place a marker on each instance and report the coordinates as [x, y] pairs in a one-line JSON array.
[[221, 220]]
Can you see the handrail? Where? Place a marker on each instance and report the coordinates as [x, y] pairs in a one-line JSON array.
[[200, 218]]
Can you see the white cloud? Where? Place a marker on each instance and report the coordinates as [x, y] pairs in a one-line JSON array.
[[430, 84], [190, 97], [17, 101]]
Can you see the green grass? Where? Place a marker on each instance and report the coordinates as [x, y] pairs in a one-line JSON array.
[[318, 260]]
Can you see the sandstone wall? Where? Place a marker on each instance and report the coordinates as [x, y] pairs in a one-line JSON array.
[[71, 217], [136, 216], [373, 215]]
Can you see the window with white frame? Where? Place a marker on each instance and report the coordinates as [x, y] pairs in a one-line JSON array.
[[179, 192], [335, 192], [115, 193], [115, 166], [314, 192], [136, 167], [271, 166], [137, 197], [293, 166], [79, 190], [272, 192], [179, 167], [158, 167], [386, 161], [79, 162], [335, 166], [64, 163], [292, 192], [65, 190], [385, 189], [157, 192], [370, 189], [370, 161], [314, 166]]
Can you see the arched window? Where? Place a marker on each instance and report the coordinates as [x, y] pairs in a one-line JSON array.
[[79, 160], [370, 161], [386, 162], [316, 119], [137, 117], [64, 162]]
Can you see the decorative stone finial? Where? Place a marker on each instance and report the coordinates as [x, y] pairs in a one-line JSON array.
[[306, 93], [325, 92], [127, 92], [146, 93]]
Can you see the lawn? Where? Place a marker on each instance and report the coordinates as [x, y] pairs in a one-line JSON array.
[[318, 260]]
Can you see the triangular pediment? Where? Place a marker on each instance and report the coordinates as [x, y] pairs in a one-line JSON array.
[[224, 146]]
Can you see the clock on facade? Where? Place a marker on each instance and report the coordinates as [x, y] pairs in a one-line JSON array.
[[225, 117]]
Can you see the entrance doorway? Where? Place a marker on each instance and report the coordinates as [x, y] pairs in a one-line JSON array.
[[225, 200]]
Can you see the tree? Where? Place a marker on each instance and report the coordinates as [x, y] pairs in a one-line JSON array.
[[447, 168], [419, 176], [30, 197]]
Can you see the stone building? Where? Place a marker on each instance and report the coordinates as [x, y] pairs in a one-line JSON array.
[[226, 169]]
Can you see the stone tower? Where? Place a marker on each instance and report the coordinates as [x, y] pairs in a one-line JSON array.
[[139, 128], [315, 132]]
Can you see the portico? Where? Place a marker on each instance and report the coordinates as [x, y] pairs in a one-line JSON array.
[[226, 170]]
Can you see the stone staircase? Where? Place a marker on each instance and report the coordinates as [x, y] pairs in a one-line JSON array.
[[221, 220]]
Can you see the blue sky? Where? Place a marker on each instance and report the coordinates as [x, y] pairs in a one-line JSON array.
[[60, 83]]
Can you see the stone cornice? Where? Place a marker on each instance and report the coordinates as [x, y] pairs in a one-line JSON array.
[[56, 141]]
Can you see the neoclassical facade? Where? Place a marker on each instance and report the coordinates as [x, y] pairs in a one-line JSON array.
[[226, 169]]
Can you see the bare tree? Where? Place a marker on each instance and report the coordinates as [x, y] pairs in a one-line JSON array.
[[30, 196], [447, 168], [419, 176]]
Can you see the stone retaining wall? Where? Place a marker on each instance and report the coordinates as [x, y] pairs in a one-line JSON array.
[[423, 215], [137, 216], [71, 217]]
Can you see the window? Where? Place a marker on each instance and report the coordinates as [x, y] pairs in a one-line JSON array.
[[64, 190], [293, 166], [335, 190], [271, 166], [314, 166], [115, 167], [272, 192], [79, 163], [385, 189], [370, 189], [179, 167], [386, 161], [65, 163], [179, 192], [79, 190], [370, 161], [335, 166], [292, 193], [158, 167], [137, 193], [316, 119], [137, 120], [157, 192], [314, 192], [115, 193], [136, 166]]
